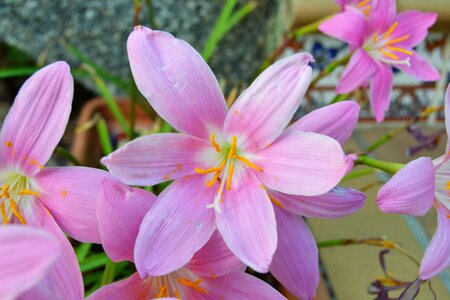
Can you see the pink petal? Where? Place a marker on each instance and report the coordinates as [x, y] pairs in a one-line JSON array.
[[130, 288], [415, 24], [447, 116], [120, 211], [247, 221], [357, 72], [156, 158], [442, 178], [176, 227], [420, 68], [176, 81], [261, 113], [338, 202], [380, 91], [37, 120], [436, 257], [302, 163], [382, 16], [410, 191], [240, 285], [296, 261], [347, 26], [214, 259], [336, 120], [70, 194], [26, 254], [63, 280]]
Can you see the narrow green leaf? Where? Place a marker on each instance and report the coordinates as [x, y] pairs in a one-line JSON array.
[[93, 262], [82, 251], [17, 72], [104, 138]]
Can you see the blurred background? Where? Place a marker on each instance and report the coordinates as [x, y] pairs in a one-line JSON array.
[[91, 36]]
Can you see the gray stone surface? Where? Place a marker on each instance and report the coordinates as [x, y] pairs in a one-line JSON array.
[[100, 29]]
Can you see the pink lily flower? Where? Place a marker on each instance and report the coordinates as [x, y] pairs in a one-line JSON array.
[[213, 272], [26, 254], [47, 197], [413, 191], [219, 160], [379, 42]]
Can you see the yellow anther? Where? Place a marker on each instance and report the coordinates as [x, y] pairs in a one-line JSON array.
[[177, 295], [390, 30], [206, 171], [8, 144], [216, 175], [5, 192], [163, 292], [195, 285], [230, 176], [362, 3], [16, 212], [28, 192], [374, 38], [248, 163], [397, 40], [448, 186], [398, 49], [3, 212], [233, 147], [388, 54], [366, 10], [276, 202], [213, 142]]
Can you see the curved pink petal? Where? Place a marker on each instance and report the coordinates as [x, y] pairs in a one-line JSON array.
[[410, 191], [447, 116], [337, 120], [120, 211], [380, 91], [247, 221], [338, 202], [38, 118], [437, 257], [415, 24], [442, 179], [214, 259], [240, 285], [381, 15], [357, 72], [302, 163], [129, 288], [156, 158], [263, 111], [63, 279], [348, 26], [176, 227], [419, 68], [176, 81], [296, 261], [26, 254], [70, 194]]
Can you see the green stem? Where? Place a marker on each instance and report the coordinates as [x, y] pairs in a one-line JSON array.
[[151, 14], [386, 166], [359, 173], [108, 273], [67, 155], [329, 69], [340, 97], [310, 28], [82, 251], [104, 138]]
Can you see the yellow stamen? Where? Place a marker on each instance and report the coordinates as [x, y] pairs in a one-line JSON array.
[[374, 38], [177, 295], [390, 30], [233, 147], [216, 175], [206, 171], [399, 50], [362, 3], [213, 142], [3, 212], [28, 192], [195, 285], [388, 54], [275, 201], [366, 10], [400, 39], [5, 192], [230, 176], [163, 292], [16, 211], [248, 163]]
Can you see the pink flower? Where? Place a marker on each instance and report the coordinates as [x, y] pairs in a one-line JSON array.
[[47, 197], [212, 273], [26, 254], [221, 160], [381, 41], [413, 191], [364, 6]]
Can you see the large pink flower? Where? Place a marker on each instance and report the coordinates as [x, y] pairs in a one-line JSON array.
[[381, 41], [221, 160], [413, 191], [213, 273], [37, 196]]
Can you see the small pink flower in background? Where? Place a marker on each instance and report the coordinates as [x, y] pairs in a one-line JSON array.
[[364, 6], [212, 273], [26, 254], [413, 191], [47, 197], [380, 41]]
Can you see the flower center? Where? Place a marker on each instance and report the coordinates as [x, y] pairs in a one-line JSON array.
[[224, 169], [383, 47], [15, 191]]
